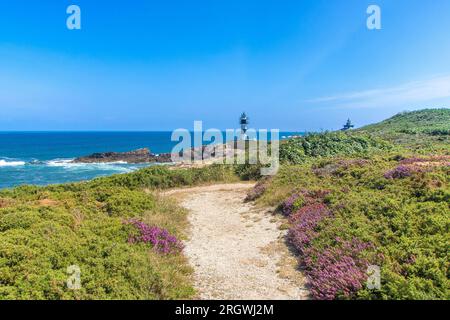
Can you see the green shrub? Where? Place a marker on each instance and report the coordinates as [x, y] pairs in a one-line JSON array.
[[406, 220], [44, 230], [330, 144], [248, 171], [422, 131]]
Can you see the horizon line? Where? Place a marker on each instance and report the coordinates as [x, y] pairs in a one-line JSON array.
[[140, 131]]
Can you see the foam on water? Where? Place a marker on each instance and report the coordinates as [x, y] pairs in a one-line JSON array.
[[119, 166], [14, 172], [4, 163], [42, 158]]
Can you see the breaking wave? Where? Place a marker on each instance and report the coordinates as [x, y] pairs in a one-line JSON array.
[[4, 163]]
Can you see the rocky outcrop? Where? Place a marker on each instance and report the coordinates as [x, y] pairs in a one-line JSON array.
[[137, 156], [145, 156]]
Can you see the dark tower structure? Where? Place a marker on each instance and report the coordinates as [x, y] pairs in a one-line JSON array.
[[348, 125], [244, 122]]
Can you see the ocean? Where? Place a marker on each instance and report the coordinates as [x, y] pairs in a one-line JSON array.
[[42, 158]]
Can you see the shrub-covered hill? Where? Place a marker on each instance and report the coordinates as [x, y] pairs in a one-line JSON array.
[[346, 214], [427, 121], [329, 144], [377, 196], [121, 235], [423, 130]]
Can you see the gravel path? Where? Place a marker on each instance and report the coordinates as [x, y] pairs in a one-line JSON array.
[[236, 249]]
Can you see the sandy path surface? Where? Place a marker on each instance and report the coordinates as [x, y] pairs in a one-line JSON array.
[[236, 249]]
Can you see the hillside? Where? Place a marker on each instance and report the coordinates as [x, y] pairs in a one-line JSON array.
[[420, 131], [345, 215], [330, 144], [352, 204], [427, 121], [427, 129]]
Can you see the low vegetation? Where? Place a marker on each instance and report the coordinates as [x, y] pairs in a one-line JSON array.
[[329, 144], [422, 131], [376, 196], [435, 122], [354, 202], [122, 236], [345, 215]]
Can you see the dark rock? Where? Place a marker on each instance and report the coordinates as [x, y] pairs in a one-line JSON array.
[[137, 156]]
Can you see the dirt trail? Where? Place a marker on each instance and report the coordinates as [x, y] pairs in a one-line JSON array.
[[236, 249]]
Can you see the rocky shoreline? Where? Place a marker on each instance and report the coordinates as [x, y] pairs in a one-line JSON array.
[[136, 156], [144, 155]]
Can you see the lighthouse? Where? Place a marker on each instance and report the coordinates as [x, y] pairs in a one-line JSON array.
[[348, 125], [244, 121]]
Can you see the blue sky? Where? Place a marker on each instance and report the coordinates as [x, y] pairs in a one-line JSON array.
[[160, 65]]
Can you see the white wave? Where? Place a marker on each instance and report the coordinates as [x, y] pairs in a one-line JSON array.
[[103, 166], [59, 162], [4, 163]]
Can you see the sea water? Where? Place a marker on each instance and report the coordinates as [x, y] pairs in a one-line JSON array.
[[42, 158]]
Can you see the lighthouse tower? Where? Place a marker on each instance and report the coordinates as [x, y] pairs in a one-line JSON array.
[[244, 122], [348, 125]]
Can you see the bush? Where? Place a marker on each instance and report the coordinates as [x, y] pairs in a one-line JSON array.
[[345, 215], [164, 177], [291, 204], [248, 171], [337, 272], [44, 230], [258, 190], [304, 223], [299, 150], [399, 172], [160, 239]]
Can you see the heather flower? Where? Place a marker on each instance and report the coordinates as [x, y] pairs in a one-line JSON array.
[[413, 165], [412, 259], [160, 239], [304, 222], [302, 198], [337, 166], [257, 191], [399, 172], [443, 159], [334, 272], [290, 204], [412, 160], [337, 271]]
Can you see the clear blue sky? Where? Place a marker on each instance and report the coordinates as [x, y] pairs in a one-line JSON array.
[[160, 65]]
